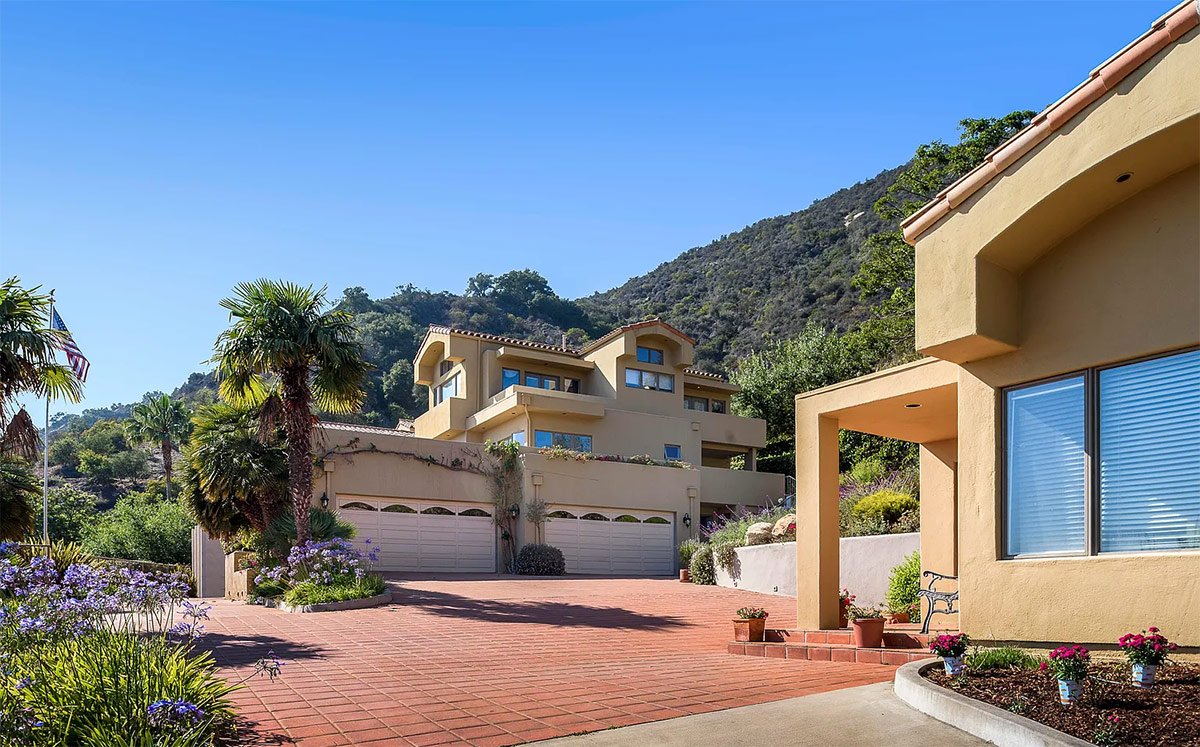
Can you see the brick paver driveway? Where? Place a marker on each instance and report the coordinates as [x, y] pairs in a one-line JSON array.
[[504, 660]]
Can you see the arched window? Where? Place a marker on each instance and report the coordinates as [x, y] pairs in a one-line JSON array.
[[474, 512], [594, 517], [628, 519], [656, 520], [438, 511], [399, 508], [561, 515], [358, 506]]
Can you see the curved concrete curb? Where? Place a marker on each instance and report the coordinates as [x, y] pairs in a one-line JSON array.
[[985, 721], [349, 604]]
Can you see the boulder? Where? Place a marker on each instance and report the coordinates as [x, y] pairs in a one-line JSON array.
[[785, 528], [759, 534]]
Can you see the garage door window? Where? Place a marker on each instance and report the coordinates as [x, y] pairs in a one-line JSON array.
[[561, 515], [656, 520], [358, 506], [628, 519], [438, 511], [474, 512], [397, 508], [594, 517]]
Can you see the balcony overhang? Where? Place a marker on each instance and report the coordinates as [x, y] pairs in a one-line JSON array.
[[512, 353], [517, 399]]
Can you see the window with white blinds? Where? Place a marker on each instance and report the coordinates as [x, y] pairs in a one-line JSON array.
[[1107, 460], [1046, 480], [1150, 454]]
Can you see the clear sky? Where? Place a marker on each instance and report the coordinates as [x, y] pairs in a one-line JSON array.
[[152, 154]]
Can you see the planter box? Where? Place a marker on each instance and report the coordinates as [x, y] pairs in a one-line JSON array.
[[349, 604], [238, 584]]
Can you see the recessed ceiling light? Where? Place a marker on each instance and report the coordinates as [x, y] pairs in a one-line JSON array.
[[1125, 177], [912, 405]]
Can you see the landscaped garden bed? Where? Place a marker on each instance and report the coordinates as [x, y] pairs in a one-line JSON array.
[[1111, 710]]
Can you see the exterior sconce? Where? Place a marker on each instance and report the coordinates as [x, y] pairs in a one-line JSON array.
[[687, 520], [514, 510], [324, 500]]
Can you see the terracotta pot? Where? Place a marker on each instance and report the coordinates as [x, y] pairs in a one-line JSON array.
[[868, 632], [685, 576], [842, 605], [749, 631], [898, 618]]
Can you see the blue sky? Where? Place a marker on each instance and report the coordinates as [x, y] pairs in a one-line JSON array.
[[153, 154]]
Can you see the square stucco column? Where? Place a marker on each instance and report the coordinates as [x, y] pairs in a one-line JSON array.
[[939, 513], [817, 529]]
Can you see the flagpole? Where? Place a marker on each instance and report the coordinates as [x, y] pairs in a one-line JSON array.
[[46, 454]]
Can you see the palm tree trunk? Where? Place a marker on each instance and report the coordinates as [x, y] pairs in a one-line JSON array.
[[166, 454], [297, 423]]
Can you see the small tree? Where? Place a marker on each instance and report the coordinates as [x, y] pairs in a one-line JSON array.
[[507, 490], [164, 422]]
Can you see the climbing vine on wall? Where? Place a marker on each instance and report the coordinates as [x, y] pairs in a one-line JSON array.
[[504, 471]]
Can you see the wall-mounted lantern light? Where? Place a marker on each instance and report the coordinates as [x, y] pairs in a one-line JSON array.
[[687, 520], [324, 500], [514, 510]]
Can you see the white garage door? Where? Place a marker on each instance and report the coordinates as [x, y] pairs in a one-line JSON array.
[[423, 535], [601, 540]]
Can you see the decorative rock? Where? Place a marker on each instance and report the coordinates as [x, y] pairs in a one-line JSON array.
[[759, 534], [785, 527]]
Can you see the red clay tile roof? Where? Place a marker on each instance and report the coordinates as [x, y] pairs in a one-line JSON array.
[[331, 425], [1167, 29], [443, 329]]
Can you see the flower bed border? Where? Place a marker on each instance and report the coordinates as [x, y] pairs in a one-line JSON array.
[[975, 717], [349, 604]]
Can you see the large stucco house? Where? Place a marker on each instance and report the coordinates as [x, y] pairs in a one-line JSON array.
[[1058, 410], [632, 392]]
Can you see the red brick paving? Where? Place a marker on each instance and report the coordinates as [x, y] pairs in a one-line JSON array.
[[503, 661]]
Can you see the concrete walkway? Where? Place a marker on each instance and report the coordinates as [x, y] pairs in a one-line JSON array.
[[852, 717]]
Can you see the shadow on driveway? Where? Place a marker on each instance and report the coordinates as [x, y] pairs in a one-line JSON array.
[[551, 613], [237, 651]]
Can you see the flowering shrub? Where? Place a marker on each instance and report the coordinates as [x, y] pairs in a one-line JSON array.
[[88, 651], [540, 560], [326, 562], [950, 645], [1147, 648], [562, 452], [732, 527], [845, 598], [701, 567], [752, 613], [1068, 662], [864, 613]]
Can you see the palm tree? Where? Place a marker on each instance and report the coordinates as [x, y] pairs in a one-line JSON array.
[[164, 422], [27, 365], [280, 329], [18, 496], [231, 478]]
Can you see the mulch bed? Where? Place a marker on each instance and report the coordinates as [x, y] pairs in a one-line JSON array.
[[1166, 716]]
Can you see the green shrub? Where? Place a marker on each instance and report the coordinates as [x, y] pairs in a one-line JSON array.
[[869, 470], [104, 437], [130, 465], [725, 555], [139, 528], [269, 589], [701, 567], [1001, 657], [888, 505], [903, 585], [277, 539], [65, 453], [540, 560], [71, 513], [686, 549], [312, 593], [733, 528], [88, 689]]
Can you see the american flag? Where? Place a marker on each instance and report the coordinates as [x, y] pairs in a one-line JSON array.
[[79, 364]]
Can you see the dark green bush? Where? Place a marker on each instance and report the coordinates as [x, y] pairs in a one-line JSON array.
[[312, 593], [269, 589], [540, 560], [279, 537], [141, 528], [686, 549], [903, 585], [702, 567]]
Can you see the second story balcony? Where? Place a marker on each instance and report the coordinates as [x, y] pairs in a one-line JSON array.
[[518, 398]]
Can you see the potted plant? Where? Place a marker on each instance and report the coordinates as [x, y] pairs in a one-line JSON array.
[[750, 624], [685, 575], [1146, 652], [868, 626], [845, 599], [951, 648], [1069, 664], [900, 616]]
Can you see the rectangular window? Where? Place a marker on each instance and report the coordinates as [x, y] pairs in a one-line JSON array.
[[638, 379], [695, 403], [1105, 461], [1150, 455], [650, 355], [509, 377], [571, 385], [573, 441], [1047, 468], [541, 381], [446, 390], [673, 453], [445, 367]]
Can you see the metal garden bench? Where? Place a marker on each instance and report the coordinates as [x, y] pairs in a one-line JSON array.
[[948, 598]]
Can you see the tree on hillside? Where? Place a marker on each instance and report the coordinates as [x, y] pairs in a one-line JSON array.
[[890, 267], [282, 330], [164, 422], [231, 479]]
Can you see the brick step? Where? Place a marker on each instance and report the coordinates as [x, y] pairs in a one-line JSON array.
[[847, 652], [892, 638]]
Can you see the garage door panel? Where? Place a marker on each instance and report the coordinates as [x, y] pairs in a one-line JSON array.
[[408, 540], [620, 547]]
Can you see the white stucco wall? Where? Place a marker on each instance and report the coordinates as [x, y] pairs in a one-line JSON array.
[[865, 564]]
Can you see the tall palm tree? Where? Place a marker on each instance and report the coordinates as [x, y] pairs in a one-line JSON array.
[[27, 365], [280, 329], [163, 422], [232, 479], [18, 496]]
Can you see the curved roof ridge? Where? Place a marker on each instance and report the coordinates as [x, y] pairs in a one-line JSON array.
[[1167, 29]]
